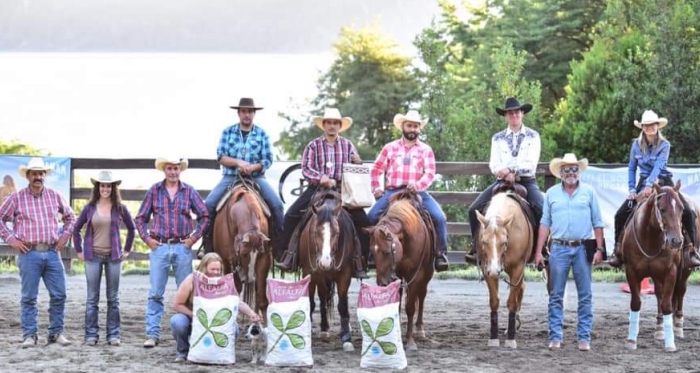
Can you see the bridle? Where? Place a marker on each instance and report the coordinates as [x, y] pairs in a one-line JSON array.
[[334, 248], [659, 221], [390, 238]]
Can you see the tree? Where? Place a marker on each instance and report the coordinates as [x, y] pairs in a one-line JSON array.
[[17, 148]]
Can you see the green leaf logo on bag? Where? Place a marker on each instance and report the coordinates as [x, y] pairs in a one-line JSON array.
[[384, 328], [221, 318], [296, 320]]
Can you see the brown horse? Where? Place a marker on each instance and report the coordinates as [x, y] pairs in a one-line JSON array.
[[505, 244], [240, 238], [403, 247], [325, 252], [651, 245], [681, 285]]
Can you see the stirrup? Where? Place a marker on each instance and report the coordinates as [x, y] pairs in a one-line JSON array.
[[441, 263], [360, 272], [287, 262]]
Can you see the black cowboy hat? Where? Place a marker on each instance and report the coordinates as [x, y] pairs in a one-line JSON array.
[[246, 103], [512, 103]]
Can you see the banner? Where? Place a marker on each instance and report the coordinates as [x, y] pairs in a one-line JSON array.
[[611, 187]]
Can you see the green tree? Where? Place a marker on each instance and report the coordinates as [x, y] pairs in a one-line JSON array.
[[17, 148]]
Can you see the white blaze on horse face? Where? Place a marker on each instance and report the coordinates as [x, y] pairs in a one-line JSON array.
[[325, 260]]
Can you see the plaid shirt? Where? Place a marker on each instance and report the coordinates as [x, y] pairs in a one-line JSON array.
[[116, 216], [404, 165], [321, 158], [35, 218], [254, 149], [172, 219]]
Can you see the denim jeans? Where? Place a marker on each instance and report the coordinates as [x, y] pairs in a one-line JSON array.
[[436, 214], [561, 260], [161, 259], [93, 274], [181, 327], [46, 265], [266, 192]]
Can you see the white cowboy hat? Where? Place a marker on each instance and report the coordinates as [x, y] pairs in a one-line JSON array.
[[105, 177], [35, 163], [649, 117], [333, 113], [161, 162], [569, 158], [411, 116]]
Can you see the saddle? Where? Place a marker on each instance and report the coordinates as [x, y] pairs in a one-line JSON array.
[[251, 187], [517, 188]]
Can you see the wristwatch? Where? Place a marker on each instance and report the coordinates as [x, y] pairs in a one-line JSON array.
[[601, 249]]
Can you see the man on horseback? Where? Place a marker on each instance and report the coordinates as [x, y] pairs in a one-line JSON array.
[[322, 166], [650, 154], [408, 163], [244, 149], [515, 152]]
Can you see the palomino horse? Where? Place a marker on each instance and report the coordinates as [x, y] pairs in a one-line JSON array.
[[651, 245], [240, 238], [325, 252], [403, 247], [506, 239]]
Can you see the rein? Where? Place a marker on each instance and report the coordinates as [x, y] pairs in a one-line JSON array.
[[404, 283], [634, 228]]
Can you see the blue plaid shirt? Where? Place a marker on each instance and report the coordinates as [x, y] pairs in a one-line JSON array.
[[254, 149]]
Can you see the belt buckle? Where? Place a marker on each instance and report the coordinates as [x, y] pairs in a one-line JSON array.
[[42, 247]]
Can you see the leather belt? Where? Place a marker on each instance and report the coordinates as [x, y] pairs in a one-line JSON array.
[[397, 187], [41, 246], [173, 240], [571, 243]]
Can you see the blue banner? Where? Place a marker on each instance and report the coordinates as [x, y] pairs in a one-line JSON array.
[[58, 179]]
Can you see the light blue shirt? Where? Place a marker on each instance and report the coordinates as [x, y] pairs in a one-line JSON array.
[[652, 164], [571, 217]]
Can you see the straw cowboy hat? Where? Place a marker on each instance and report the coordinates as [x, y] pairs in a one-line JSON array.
[[105, 177], [569, 158], [246, 103], [161, 162], [34, 164], [411, 116], [650, 117], [333, 113], [512, 103]]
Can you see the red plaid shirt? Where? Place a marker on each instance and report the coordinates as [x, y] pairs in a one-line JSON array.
[[404, 165], [35, 218], [321, 158]]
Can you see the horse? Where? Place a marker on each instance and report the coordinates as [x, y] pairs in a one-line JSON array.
[[505, 243], [651, 245], [325, 252], [403, 247], [681, 285], [240, 238]]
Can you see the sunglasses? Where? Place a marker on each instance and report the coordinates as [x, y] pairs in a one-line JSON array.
[[567, 170]]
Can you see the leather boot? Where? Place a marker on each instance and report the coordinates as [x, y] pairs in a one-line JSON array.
[[615, 259], [441, 262], [691, 257], [471, 256], [359, 269], [288, 261], [371, 264], [207, 246]]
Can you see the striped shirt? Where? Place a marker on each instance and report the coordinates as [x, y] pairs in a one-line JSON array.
[[35, 218], [402, 165], [172, 218], [321, 158], [117, 216], [254, 148]]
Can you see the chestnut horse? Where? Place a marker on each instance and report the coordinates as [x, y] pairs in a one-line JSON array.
[[240, 238], [651, 246], [403, 247], [506, 241], [325, 252]]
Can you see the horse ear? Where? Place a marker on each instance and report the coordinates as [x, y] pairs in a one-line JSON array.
[[246, 238], [678, 185], [337, 208], [482, 219], [369, 230], [263, 237], [657, 188]]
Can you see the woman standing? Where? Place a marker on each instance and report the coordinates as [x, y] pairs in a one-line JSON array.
[[650, 153], [102, 251]]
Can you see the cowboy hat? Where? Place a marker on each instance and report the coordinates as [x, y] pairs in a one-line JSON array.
[[411, 116], [569, 158], [34, 164], [333, 113], [161, 162], [512, 103], [649, 117], [246, 103], [105, 177]]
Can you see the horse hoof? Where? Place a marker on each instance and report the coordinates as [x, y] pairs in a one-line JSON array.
[[671, 348], [348, 347], [326, 335], [411, 347], [679, 333], [494, 343], [421, 335], [511, 343], [631, 345], [659, 335]]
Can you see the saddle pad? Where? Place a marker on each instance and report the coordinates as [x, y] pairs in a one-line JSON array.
[[229, 192]]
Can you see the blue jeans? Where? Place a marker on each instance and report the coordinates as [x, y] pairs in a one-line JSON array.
[[93, 275], [181, 327], [561, 260], [266, 192], [436, 214], [161, 259], [46, 265]]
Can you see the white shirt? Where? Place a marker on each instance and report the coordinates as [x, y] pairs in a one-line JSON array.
[[505, 154]]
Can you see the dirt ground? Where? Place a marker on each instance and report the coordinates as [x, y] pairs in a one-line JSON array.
[[457, 322]]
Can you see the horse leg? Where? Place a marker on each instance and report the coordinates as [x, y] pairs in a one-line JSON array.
[[659, 328], [343, 284], [668, 285], [635, 306], [323, 295], [410, 312], [261, 301], [678, 295], [312, 300], [514, 298], [494, 302], [420, 326]]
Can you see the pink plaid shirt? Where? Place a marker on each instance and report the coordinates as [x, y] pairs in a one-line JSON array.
[[35, 218], [404, 165]]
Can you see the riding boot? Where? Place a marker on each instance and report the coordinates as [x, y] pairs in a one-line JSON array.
[[288, 262], [360, 272], [691, 256], [441, 262], [471, 256], [615, 259]]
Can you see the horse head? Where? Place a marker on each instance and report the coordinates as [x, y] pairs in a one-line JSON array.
[[325, 229], [493, 240], [668, 209], [247, 245], [388, 250]]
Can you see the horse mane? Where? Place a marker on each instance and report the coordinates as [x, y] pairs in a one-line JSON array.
[[403, 210], [249, 198]]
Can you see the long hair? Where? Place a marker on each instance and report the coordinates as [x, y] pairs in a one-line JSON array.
[[644, 144], [9, 181], [208, 258], [115, 196]]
